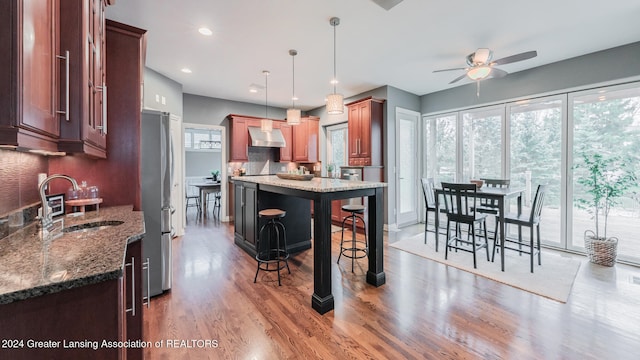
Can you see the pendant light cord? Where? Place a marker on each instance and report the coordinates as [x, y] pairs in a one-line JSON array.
[[293, 81], [335, 80], [266, 94]]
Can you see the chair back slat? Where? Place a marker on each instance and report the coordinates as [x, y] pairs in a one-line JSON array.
[[495, 183], [427, 189], [459, 200], [538, 201]]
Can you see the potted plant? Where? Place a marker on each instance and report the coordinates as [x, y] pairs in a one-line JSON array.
[[606, 180], [215, 175], [330, 168]]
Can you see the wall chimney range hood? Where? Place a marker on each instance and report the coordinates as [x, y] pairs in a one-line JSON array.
[[274, 138]]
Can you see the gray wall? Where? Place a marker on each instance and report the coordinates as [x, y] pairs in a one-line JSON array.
[[600, 67], [211, 111], [158, 84]]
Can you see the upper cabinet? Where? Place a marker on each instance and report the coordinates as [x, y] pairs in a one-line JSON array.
[[83, 80], [29, 75], [286, 152], [239, 135], [305, 140], [365, 132]]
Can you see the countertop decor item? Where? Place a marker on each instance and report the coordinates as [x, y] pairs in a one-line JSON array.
[[287, 176], [479, 183]]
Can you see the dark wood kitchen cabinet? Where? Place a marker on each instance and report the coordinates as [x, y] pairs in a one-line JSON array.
[[134, 269], [29, 74], [365, 132], [245, 215], [83, 36], [305, 140], [286, 152], [239, 136]]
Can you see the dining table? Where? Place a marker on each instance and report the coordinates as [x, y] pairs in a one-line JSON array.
[[205, 188], [500, 196]]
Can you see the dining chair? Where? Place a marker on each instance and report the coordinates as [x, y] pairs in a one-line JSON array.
[[490, 206], [430, 201], [530, 220], [460, 200], [190, 196]]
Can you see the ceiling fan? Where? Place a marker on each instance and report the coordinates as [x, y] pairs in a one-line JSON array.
[[481, 66]]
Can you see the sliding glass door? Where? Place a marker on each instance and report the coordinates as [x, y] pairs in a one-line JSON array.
[[482, 143], [606, 123], [535, 157], [440, 147]]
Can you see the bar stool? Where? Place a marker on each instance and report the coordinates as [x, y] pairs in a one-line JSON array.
[[268, 253], [359, 248]]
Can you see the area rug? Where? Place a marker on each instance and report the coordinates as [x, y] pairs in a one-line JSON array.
[[553, 279]]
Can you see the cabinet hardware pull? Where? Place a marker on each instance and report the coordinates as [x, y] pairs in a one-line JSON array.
[[133, 286], [66, 66], [103, 127], [146, 300]]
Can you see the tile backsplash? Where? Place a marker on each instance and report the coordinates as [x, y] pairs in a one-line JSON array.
[[261, 162]]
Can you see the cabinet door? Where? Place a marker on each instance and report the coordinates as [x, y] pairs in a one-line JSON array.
[[239, 140], [354, 132], [238, 210], [28, 75], [313, 130], [286, 153], [300, 140], [133, 298], [95, 130], [250, 211], [364, 145]]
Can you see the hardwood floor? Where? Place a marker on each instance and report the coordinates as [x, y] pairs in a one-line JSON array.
[[425, 310]]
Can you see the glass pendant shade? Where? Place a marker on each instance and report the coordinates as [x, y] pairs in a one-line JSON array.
[[335, 104], [293, 116], [266, 125]]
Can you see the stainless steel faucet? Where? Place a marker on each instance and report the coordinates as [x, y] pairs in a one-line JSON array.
[[47, 221]]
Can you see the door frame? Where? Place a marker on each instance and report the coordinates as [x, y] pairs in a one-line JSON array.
[[416, 117], [224, 208]]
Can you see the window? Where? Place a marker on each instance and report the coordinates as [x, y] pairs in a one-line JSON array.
[[482, 143], [202, 140], [440, 147]]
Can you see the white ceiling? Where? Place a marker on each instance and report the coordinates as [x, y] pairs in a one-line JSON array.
[[400, 47]]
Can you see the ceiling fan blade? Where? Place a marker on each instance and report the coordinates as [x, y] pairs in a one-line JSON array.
[[514, 58], [435, 71], [497, 73], [458, 78]]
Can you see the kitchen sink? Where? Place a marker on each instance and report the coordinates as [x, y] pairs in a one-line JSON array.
[[97, 225]]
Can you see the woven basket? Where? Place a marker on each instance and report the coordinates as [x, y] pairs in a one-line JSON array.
[[600, 251]]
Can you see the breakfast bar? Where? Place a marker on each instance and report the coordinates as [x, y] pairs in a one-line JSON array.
[[322, 191]]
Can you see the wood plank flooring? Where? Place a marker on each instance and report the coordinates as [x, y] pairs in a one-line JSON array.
[[425, 310]]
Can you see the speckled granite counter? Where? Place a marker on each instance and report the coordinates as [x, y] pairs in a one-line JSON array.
[[314, 185], [32, 265]]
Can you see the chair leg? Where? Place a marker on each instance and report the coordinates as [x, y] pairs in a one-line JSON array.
[[486, 239], [539, 253], [473, 244], [446, 243], [426, 225], [531, 248]]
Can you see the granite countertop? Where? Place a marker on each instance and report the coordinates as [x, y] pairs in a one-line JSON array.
[[314, 185], [32, 264]]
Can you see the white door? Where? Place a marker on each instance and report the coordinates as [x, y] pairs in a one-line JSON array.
[[177, 192], [407, 195]]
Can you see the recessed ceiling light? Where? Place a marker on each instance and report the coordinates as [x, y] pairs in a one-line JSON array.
[[205, 31], [253, 90], [295, 98], [186, 70]]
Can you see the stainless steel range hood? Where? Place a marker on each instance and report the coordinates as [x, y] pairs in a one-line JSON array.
[[274, 138]]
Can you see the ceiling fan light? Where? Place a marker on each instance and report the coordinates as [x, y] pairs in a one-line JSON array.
[[293, 116], [335, 104], [479, 73]]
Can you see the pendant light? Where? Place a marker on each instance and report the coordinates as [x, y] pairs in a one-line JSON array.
[[293, 114], [265, 124], [335, 102]]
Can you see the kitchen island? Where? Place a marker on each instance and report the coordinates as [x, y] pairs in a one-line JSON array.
[[322, 191]]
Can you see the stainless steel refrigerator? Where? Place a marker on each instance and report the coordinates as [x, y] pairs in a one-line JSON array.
[[156, 177]]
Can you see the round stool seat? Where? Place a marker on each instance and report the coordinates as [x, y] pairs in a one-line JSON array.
[[272, 213], [358, 209]]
